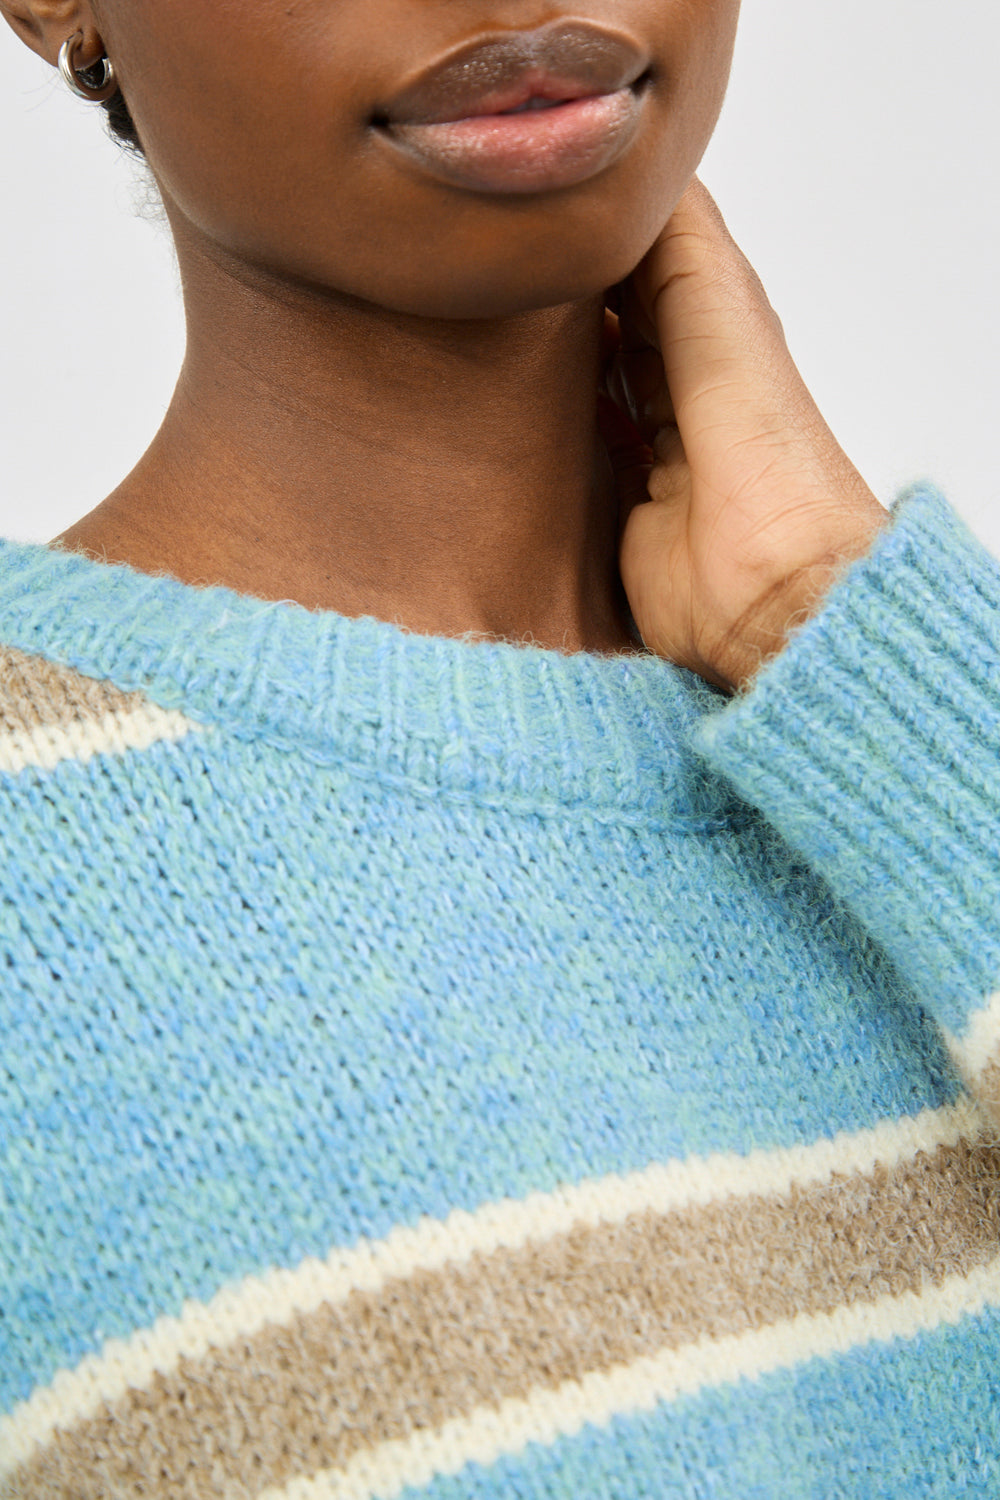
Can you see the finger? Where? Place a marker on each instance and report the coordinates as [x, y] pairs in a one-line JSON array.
[[715, 323]]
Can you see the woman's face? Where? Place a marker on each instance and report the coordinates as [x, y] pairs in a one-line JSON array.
[[261, 121]]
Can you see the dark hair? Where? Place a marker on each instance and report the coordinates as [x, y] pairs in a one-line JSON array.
[[121, 124]]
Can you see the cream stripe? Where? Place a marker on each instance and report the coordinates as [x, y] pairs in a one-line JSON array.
[[242, 1310], [115, 732], [492, 1432], [980, 1043]]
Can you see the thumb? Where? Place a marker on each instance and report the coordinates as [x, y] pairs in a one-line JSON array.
[[713, 322]]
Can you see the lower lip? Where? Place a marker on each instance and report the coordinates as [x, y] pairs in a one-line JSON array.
[[531, 152]]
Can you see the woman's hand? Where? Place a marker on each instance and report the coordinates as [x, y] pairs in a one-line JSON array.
[[738, 507]]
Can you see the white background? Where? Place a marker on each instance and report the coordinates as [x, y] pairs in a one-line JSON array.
[[855, 163]]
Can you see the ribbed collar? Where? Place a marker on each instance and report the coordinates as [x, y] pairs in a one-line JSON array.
[[501, 722]]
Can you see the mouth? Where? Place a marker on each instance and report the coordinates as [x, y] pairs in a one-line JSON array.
[[522, 112], [518, 72], [533, 104]]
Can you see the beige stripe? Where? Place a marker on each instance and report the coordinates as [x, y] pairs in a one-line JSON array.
[[437, 1345], [37, 693], [490, 1434], [240, 1311], [50, 713]]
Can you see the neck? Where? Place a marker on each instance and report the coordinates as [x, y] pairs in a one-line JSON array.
[[447, 476]]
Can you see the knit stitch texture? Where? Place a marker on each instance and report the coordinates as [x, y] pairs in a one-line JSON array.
[[460, 1070]]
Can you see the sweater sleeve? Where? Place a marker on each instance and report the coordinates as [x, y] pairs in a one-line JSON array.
[[872, 743]]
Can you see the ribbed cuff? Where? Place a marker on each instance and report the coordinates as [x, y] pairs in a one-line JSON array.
[[872, 743]]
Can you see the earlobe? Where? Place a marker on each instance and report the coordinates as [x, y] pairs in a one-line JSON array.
[[93, 92]]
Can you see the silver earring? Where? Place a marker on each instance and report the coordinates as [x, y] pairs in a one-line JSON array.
[[93, 93]]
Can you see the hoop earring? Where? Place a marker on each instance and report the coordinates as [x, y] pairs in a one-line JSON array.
[[93, 93]]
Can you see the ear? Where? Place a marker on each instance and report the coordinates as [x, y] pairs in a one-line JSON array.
[[45, 24]]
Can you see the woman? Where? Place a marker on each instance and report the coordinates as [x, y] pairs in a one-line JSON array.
[[499, 908]]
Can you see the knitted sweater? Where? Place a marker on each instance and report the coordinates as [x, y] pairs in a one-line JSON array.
[[450, 1069]]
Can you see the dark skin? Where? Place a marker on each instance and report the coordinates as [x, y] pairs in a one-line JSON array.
[[387, 405]]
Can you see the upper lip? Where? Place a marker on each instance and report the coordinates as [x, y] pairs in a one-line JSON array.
[[564, 60]]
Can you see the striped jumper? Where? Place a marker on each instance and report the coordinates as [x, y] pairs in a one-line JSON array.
[[457, 1070]]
